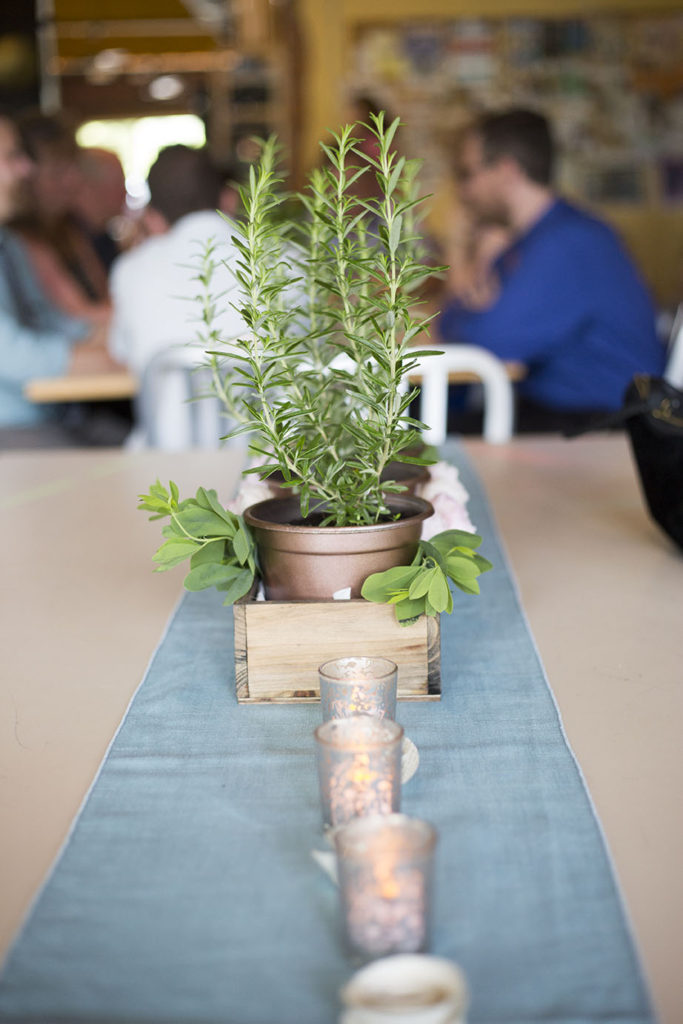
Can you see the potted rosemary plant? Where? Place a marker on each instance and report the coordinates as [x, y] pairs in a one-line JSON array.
[[325, 284]]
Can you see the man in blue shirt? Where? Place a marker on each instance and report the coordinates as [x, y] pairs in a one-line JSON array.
[[562, 296]]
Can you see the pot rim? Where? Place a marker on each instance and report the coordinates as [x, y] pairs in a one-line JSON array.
[[415, 509]]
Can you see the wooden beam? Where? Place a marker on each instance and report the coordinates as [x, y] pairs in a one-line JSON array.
[[98, 28], [152, 63]]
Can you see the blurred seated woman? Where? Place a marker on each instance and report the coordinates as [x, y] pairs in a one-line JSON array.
[[64, 258]]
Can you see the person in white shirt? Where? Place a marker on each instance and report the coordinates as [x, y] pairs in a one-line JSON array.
[[154, 286]]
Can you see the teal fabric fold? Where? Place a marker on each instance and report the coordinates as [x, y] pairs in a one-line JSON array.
[[187, 892]]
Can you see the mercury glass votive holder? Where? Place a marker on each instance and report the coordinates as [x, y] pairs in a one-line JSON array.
[[358, 686], [359, 767], [385, 866]]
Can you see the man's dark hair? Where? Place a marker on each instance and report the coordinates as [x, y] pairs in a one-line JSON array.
[[523, 135], [183, 180]]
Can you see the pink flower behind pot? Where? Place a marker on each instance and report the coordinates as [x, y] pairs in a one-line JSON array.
[[449, 497], [251, 491]]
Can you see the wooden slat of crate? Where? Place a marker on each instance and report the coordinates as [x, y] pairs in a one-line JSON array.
[[280, 644]]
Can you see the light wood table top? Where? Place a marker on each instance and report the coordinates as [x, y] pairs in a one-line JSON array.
[[82, 387], [515, 372], [82, 613], [105, 386]]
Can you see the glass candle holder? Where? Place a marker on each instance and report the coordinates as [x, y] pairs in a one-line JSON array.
[[358, 686], [359, 767], [385, 875], [411, 988]]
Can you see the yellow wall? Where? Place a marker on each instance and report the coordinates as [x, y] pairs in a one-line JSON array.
[[654, 234]]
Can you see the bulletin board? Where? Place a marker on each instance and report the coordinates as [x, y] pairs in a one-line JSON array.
[[611, 85]]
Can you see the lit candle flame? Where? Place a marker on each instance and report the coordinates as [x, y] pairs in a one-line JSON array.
[[387, 882]]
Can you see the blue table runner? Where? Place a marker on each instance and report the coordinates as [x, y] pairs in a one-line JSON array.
[[187, 893]]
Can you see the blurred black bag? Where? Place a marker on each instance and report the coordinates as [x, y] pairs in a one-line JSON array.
[[653, 415]]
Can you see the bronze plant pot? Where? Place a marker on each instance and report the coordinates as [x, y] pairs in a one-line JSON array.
[[312, 563]]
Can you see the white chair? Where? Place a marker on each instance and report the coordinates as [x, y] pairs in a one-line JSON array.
[[497, 390], [674, 362], [175, 409]]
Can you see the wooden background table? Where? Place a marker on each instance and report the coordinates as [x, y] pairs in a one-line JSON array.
[[86, 387], [82, 612], [104, 386]]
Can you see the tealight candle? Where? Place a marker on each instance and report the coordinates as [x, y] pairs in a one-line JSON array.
[[358, 686], [385, 870], [359, 767]]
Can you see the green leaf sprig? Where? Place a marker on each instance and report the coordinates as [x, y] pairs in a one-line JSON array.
[[422, 587], [217, 542]]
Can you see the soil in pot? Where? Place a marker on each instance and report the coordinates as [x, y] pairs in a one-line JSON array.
[[312, 562]]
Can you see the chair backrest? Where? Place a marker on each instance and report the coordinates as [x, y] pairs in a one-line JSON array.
[[497, 389], [674, 362], [175, 408]]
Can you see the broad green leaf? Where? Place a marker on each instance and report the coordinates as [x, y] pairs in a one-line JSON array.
[[460, 567], [380, 585], [409, 610], [210, 574], [468, 586], [214, 504], [241, 545], [483, 563], [422, 582], [239, 586], [172, 553], [158, 490], [147, 503], [433, 552], [438, 592], [452, 538], [199, 522], [212, 552], [408, 622]]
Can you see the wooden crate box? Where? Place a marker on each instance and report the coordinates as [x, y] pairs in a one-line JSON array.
[[280, 644]]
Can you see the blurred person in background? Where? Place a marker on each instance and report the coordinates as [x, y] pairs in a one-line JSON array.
[[99, 200], [154, 285], [63, 255], [537, 280], [229, 201], [36, 338]]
